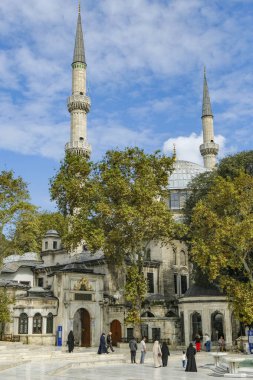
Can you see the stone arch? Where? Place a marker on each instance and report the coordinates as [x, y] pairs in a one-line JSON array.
[[196, 325], [82, 327], [147, 314], [217, 325]]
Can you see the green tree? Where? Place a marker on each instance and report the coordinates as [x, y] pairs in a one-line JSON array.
[[230, 166], [14, 199], [118, 205], [222, 239], [5, 301], [31, 227]]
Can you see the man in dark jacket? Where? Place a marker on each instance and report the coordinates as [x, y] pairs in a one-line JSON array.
[[133, 348], [109, 342]]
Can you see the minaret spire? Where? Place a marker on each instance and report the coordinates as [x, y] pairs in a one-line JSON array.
[[79, 102], [79, 54], [208, 149], [206, 104]]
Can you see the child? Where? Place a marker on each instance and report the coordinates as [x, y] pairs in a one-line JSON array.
[[183, 359]]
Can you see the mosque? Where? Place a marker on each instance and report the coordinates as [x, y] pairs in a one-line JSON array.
[[57, 291]]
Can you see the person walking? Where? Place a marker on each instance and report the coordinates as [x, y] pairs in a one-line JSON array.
[[133, 348], [183, 359], [222, 344], [71, 341], [198, 343], [157, 354], [102, 346], [109, 342], [165, 354], [207, 343], [143, 349], [191, 362]]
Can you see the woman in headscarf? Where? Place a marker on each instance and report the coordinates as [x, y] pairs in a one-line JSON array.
[[102, 346], [157, 354], [165, 354], [71, 341], [191, 362]]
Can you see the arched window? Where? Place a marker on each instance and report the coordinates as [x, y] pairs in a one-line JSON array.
[[37, 324], [183, 258], [196, 325], [174, 256], [148, 314], [50, 320], [217, 325], [23, 324]]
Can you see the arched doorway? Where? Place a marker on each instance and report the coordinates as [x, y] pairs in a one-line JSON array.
[[196, 325], [116, 332], [217, 325], [81, 328]]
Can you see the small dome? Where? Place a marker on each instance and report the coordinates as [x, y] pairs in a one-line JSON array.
[[52, 233], [37, 289], [184, 172]]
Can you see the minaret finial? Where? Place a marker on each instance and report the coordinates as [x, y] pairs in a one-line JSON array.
[[79, 7], [174, 156]]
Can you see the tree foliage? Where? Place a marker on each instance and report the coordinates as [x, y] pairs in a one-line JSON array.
[[118, 205], [31, 227], [222, 239], [135, 292], [5, 301], [14, 199], [230, 167]]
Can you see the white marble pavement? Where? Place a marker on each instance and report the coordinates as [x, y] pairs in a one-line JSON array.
[[45, 363]]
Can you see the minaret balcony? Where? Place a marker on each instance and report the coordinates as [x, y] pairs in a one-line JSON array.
[[79, 102], [79, 147], [209, 148]]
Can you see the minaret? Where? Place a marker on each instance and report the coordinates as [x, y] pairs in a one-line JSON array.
[[208, 149], [79, 102]]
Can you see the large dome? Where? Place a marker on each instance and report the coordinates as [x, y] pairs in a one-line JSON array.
[[184, 172]]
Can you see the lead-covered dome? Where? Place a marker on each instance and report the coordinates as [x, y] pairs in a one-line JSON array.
[[184, 172]]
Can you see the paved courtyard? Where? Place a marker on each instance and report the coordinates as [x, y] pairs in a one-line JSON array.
[[39, 363]]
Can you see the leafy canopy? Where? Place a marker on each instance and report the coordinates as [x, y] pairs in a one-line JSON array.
[[229, 167], [118, 204], [222, 239]]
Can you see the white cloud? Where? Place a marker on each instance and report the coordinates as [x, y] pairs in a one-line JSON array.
[[130, 45], [187, 147]]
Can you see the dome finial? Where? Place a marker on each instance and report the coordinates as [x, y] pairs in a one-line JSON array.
[[174, 156]]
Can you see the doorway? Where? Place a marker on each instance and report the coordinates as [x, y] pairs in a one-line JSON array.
[[116, 332], [81, 328]]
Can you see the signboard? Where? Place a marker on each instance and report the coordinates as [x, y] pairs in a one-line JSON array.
[[59, 336], [250, 339]]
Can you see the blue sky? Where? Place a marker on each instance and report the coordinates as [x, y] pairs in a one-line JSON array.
[[145, 76]]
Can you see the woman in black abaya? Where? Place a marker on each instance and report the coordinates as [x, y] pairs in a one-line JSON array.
[[191, 362], [165, 354], [71, 341], [102, 346]]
